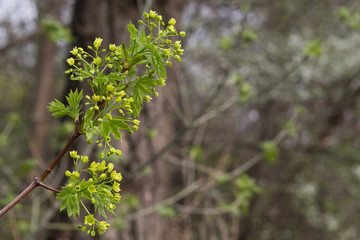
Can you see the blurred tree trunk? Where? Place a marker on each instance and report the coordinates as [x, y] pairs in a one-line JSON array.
[[108, 20], [46, 69]]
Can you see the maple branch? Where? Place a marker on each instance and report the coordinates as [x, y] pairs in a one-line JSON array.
[[38, 180]]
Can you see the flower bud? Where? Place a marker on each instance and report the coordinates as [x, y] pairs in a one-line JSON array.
[[116, 176], [177, 58], [75, 174], [96, 98], [177, 44], [93, 167], [84, 159], [92, 189], [70, 61], [158, 18], [182, 34], [102, 176], [171, 29], [68, 173], [117, 197], [116, 187], [97, 43], [172, 22], [180, 51], [167, 52], [168, 63], [112, 47], [74, 51], [110, 167], [110, 87], [147, 98], [118, 100], [73, 154], [162, 81], [109, 116], [152, 14], [97, 60], [136, 122]]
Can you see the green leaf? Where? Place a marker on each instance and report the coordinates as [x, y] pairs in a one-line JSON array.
[[344, 13], [73, 110], [290, 128], [168, 212], [195, 152], [158, 63], [313, 49], [101, 82], [223, 178], [141, 88], [137, 59], [70, 201], [114, 78], [87, 120], [125, 51], [103, 200], [57, 108], [270, 151], [114, 126], [74, 100], [84, 193], [249, 35], [226, 42], [56, 31], [245, 91], [133, 31], [89, 136]]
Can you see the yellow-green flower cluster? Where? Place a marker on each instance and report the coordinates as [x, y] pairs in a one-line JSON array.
[[92, 222], [103, 185], [174, 49]]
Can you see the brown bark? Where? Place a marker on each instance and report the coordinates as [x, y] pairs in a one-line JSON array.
[[41, 116], [46, 69]]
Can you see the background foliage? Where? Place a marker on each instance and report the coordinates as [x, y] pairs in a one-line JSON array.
[[265, 111]]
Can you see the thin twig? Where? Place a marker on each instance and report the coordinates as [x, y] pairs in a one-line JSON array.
[[45, 173], [39, 183], [199, 185], [192, 124]]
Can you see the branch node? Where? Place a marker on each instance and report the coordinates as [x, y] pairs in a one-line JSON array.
[[39, 183]]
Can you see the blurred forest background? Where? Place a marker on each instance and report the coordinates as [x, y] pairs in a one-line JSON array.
[[255, 136]]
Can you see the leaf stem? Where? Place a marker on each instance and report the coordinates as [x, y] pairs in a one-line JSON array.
[[84, 207]]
